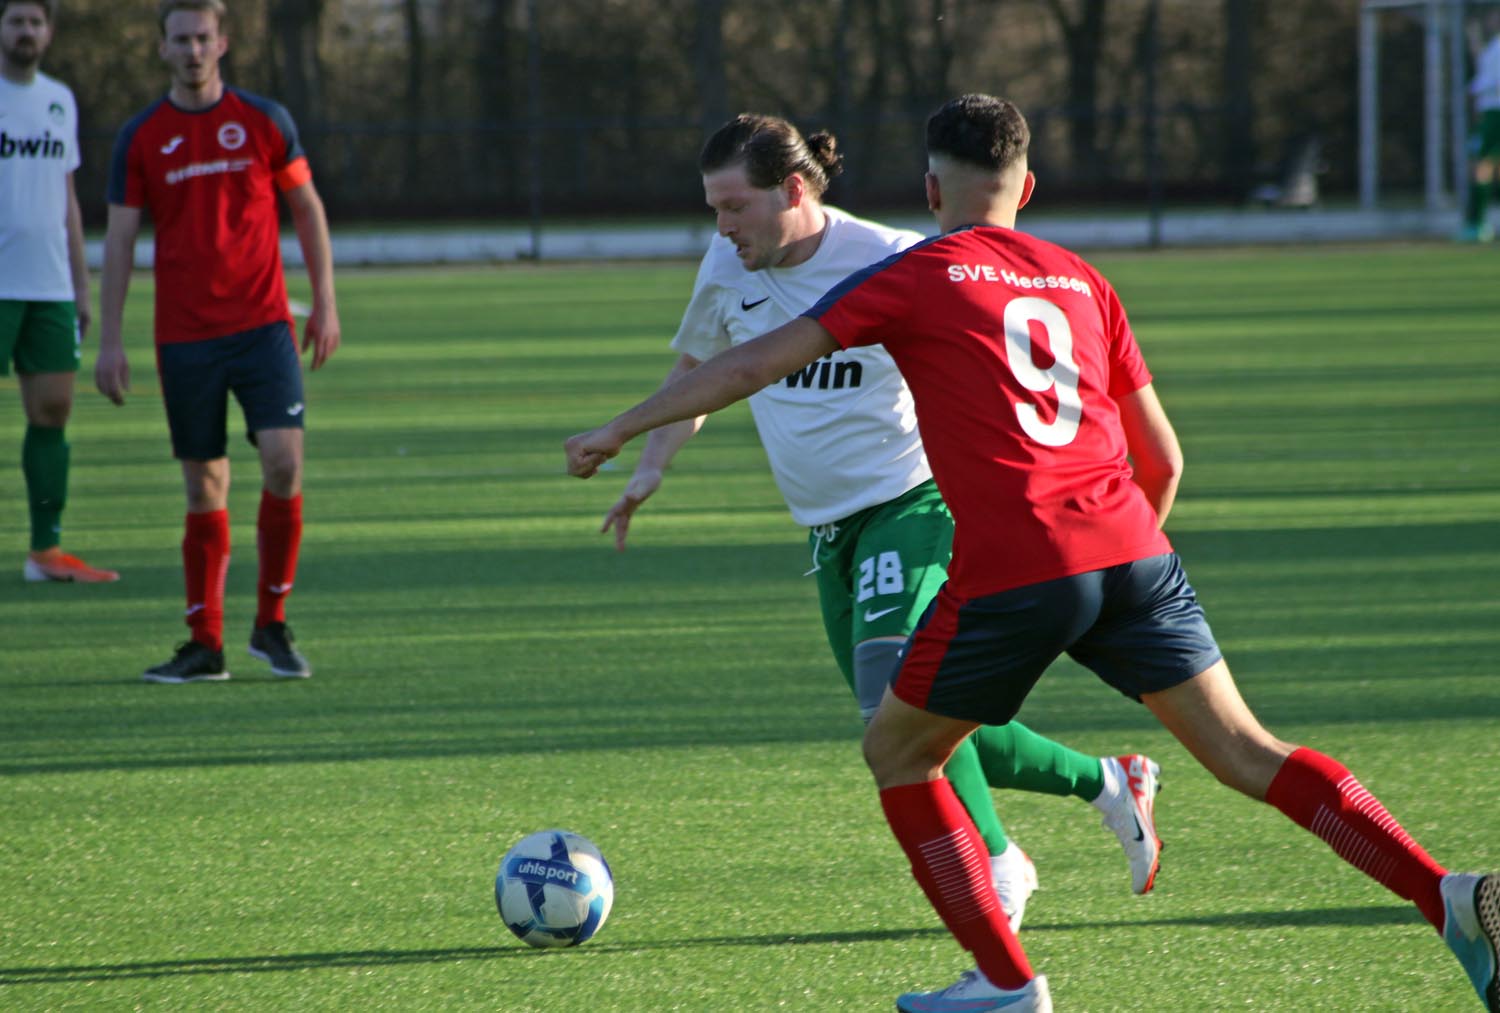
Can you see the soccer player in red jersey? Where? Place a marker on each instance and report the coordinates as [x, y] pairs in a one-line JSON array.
[[1034, 403], [208, 161]]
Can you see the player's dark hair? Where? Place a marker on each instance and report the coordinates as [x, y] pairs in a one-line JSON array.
[[168, 7], [980, 130], [771, 149], [49, 7]]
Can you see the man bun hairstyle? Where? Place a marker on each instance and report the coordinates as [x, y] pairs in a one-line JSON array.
[[771, 149], [979, 130]]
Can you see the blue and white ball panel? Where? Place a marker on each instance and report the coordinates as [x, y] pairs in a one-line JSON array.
[[554, 888]]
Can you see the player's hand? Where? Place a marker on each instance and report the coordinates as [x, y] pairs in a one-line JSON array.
[[112, 373], [588, 451], [84, 317], [642, 484], [322, 334]]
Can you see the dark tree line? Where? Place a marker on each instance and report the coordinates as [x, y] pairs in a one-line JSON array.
[[477, 107]]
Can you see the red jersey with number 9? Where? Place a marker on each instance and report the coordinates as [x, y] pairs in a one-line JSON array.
[[1015, 351], [209, 177]]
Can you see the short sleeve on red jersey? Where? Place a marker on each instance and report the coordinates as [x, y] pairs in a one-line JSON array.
[[281, 121], [127, 182], [868, 307], [1127, 367]]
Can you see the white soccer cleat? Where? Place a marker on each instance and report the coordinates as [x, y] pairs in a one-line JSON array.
[[1128, 803], [1471, 928], [974, 993], [1015, 878]]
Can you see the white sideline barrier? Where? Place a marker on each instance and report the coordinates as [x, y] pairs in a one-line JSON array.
[[615, 242]]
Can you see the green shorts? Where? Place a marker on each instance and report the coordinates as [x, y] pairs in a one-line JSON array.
[[1488, 133], [42, 337], [878, 569]]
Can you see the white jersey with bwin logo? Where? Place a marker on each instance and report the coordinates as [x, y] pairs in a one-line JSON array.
[[841, 434], [38, 148]]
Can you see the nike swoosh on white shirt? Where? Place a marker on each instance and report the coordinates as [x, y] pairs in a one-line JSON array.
[[870, 617]]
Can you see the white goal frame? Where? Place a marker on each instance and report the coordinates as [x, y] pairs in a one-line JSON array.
[[1445, 111]]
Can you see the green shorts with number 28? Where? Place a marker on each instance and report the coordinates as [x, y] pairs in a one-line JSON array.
[[879, 568]]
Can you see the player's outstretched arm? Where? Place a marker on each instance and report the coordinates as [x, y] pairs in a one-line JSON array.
[[322, 333], [1155, 455], [721, 381], [662, 445], [112, 368]]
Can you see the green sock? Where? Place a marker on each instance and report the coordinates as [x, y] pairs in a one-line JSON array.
[[966, 775], [1014, 756], [1479, 199], [44, 462]]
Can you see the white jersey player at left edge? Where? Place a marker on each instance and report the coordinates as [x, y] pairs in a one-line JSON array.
[[841, 437], [44, 279]]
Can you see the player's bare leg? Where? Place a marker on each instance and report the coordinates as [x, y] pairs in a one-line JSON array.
[[1210, 718]]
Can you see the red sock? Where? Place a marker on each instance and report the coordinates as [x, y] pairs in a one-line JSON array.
[[948, 858], [1320, 795], [278, 535], [205, 563]]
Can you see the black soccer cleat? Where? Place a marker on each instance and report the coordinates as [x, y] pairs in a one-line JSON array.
[[192, 662], [272, 643]]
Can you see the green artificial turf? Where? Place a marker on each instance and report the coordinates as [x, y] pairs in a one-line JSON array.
[[487, 666]]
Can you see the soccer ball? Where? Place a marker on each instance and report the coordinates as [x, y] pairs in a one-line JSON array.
[[554, 888]]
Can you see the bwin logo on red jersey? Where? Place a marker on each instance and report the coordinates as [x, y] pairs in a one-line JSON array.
[[45, 146], [825, 374]]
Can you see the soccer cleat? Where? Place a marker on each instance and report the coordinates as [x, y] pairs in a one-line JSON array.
[[55, 564], [273, 643], [1128, 802], [1471, 928], [974, 993], [1015, 879], [193, 662], [1482, 233]]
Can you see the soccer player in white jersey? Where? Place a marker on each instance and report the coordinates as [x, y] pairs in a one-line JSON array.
[[1485, 89], [843, 445], [44, 280]]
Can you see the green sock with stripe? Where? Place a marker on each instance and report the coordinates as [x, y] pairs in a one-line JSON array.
[[44, 462]]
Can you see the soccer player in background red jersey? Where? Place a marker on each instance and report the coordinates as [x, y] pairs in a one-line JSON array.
[[207, 161], [1034, 403]]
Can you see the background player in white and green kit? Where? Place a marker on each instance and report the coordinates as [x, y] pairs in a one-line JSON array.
[[44, 281], [842, 440]]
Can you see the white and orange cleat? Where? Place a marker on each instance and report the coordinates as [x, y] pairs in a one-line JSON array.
[[1128, 802], [55, 564]]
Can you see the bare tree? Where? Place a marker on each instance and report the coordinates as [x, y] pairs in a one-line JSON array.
[[1239, 111], [415, 72], [295, 24], [1083, 41], [708, 65]]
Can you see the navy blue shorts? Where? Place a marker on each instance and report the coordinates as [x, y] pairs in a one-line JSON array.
[[260, 367], [1138, 626]]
